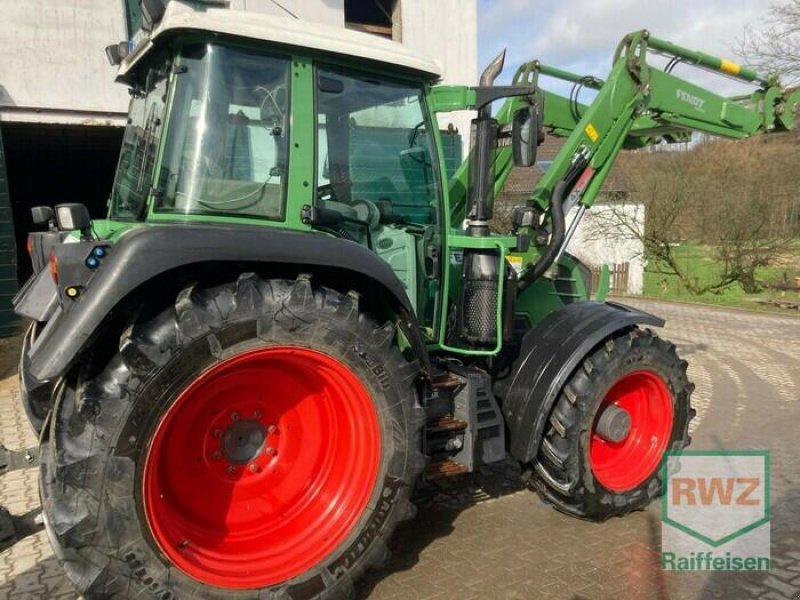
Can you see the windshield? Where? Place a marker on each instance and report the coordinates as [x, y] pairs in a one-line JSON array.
[[139, 146], [226, 149], [374, 145]]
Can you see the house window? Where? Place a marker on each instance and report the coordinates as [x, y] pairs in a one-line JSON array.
[[379, 17]]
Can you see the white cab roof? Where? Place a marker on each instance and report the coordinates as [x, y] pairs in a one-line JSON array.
[[280, 30]]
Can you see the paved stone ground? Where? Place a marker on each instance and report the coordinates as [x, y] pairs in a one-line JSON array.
[[485, 536]]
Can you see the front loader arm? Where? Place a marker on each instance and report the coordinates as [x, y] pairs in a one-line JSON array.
[[640, 102], [636, 106]]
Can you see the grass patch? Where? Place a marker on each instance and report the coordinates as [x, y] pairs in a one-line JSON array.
[[698, 261]]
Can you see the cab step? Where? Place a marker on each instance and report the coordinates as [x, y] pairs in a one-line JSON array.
[[446, 424], [443, 469]]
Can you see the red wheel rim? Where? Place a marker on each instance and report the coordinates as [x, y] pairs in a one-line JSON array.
[[261, 467], [621, 466]]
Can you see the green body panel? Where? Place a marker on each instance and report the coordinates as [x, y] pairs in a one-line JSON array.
[[547, 295], [302, 134]]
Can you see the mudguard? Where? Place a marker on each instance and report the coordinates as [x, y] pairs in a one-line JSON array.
[[550, 352], [146, 252]]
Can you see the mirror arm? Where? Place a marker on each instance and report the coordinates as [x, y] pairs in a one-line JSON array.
[[487, 95]]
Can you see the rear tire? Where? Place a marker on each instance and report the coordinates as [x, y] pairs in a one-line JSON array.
[[586, 476], [257, 440]]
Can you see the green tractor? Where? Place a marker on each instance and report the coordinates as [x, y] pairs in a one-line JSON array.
[[291, 314]]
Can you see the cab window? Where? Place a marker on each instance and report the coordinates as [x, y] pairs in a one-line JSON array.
[[374, 147]]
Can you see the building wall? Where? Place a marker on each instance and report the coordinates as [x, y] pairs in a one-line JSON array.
[[330, 12], [603, 236], [446, 30], [54, 59], [53, 52]]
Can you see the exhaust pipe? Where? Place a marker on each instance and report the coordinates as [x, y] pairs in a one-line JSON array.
[[480, 269]]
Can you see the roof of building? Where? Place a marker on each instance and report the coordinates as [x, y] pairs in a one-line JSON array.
[[285, 31]]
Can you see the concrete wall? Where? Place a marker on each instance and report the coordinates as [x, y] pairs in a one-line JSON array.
[[53, 52], [330, 12], [53, 58], [604, 236]]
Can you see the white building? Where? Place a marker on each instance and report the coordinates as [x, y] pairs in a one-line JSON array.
[[54, 69], [611, 233]]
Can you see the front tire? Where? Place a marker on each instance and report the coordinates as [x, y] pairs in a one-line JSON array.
[[584, 474], [259, 439]]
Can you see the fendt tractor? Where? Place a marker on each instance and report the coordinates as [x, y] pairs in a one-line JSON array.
[[291, 314]]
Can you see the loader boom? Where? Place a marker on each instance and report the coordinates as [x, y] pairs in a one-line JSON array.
[[637, 105]]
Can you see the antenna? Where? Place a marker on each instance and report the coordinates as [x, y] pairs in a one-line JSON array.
[[283, 8]]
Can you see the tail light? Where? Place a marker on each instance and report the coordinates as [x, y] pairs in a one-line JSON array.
[[53, 266], [30, 245]]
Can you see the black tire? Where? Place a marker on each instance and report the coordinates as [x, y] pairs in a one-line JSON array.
[[105, 418], [562, 472]]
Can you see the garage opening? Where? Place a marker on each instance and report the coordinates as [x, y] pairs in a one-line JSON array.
[[53, 164], [379, 17]]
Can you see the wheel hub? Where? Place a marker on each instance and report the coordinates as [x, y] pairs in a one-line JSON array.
[[631, 431], [243, 441], [613, 423]]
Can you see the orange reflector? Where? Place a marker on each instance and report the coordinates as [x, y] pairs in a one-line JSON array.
[[53, 266]]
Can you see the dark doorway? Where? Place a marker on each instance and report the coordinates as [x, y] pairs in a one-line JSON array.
[[52, 164]]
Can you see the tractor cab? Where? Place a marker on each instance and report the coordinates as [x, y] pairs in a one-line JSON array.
[[274, 126], [248, 119]]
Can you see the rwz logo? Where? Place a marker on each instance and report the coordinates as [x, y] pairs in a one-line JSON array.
[[715, 511], [715, 490]]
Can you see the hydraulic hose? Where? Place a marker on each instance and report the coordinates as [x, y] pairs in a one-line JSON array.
[[556, 237]]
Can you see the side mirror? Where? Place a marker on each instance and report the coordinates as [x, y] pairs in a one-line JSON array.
[[73, 216], [43, 215], [116, 53], [526, 135]]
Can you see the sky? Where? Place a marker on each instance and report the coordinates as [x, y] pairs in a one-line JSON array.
[[581, 35]]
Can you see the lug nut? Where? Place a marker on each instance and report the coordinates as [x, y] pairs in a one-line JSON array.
[[254, 468], [272, 429], [271, 451], [231, 469], [217, 433], [216, 455], [256, 414], [234, 416]]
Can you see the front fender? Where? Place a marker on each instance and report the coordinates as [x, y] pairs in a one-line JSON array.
[[550, 353], [146, 252]]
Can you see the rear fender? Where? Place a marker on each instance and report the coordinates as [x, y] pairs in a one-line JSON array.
[[550, 353], [147, 252]]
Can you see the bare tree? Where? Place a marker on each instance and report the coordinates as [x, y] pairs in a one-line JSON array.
[[776, 48], [730, 197]]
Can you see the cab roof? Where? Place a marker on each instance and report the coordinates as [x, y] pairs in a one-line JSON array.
[[181, 18]]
